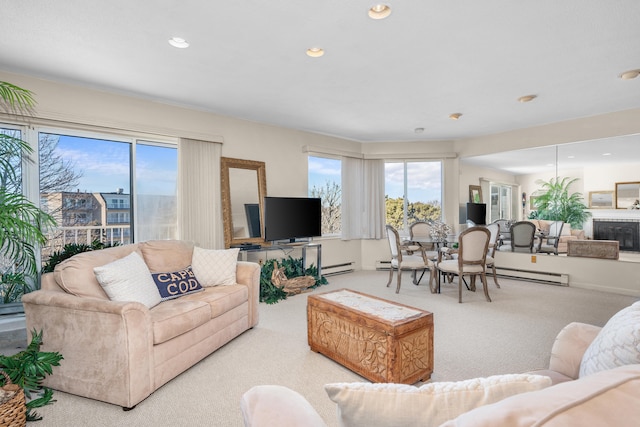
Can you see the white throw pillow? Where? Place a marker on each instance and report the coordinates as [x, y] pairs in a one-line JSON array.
[[617, 344], [214, 267], [128, 279], [399, 405]]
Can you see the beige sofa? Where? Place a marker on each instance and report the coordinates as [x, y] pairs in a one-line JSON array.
[[120, 352], [567, 234], [586, 390]]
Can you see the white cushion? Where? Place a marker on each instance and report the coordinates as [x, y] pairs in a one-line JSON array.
[[399, 405], [214, 267], [128, 279], [277, 406], [617, 344]]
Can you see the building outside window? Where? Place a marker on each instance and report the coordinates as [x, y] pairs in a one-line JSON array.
[[325, 182]]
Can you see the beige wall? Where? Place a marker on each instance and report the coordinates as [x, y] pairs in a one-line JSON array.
[[282, 149]]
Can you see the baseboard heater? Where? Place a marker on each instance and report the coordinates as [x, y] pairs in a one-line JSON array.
[[383, 265], [331, 270], [513, 273], [536, 276]]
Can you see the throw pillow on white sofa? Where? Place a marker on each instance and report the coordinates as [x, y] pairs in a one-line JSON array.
[[399, 405], [214, 267], [617, 344], [128, 279]]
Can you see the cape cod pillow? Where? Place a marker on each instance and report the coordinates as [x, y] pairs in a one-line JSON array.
[[176, 284], [128, 279], [399, 405], [617, 344], [215, 267]]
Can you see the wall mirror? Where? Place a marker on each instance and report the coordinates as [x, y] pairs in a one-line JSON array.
[[627, 194], [243, 188]]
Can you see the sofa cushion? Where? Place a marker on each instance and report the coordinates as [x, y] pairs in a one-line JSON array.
[[221, 299], [215, 266], [177, 283], [166, 255], [398, 405], [608, 398], [276, 405], [617, 344], [175, 317], [128, 279], [76, 276]]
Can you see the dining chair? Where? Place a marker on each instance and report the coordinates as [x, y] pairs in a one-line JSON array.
[[420, 234], [549, 243], [473, 244], [522, 237], [401, 260], [505, 233], [494, 229]]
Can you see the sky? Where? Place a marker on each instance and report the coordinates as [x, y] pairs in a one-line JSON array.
[[105, 165], [424, 177]]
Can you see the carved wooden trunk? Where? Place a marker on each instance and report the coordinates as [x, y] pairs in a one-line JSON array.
[[381, 340]]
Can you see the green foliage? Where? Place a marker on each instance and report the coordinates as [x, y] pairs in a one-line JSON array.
[[71, 249], [416, 211], [555, 203], [22, 223], [271, 294], [28, 369]]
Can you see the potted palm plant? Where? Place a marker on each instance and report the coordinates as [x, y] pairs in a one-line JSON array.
[[554, 202], [21, 222]]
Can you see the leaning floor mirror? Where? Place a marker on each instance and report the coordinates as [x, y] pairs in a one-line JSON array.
[[243, 187]]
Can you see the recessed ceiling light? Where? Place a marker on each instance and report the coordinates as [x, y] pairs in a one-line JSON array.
[[315, 52], [571, 157], [178, 42], [527, 98], [606, 154], [379, 11], [631, 74], [455, 116], [418, 130]]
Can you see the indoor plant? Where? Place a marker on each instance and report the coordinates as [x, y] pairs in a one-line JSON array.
[[553, 202], [21, 221]]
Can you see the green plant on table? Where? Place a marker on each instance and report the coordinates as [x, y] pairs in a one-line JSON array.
[[27, 369]]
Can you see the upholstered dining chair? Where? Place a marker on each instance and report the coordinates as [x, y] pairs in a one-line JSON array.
[[505, 230], [473, 244], [522, 237], [401, 260], [494, 229], [549, 243], [420, 234]]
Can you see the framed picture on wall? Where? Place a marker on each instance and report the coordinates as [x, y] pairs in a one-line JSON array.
[[627, 195], [601, 199], [532, 203], [475, 194]]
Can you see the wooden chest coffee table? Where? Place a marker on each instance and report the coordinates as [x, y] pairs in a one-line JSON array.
[[381, 340]]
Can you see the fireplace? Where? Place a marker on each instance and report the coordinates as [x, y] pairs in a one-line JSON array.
[[627, 232]]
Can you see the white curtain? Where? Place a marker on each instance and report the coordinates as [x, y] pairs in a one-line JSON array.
[[199, 202], [363, 208]]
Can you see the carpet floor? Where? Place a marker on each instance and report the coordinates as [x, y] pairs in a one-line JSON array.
[[512, 334]]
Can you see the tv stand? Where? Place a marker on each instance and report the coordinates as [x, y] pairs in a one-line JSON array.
[[288, 247]]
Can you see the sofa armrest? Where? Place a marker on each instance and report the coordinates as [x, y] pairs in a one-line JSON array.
[[248, 274], [274, 405], [106, 345], [569, 347]]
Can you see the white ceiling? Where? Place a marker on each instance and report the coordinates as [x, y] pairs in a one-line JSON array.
[[378, 81]]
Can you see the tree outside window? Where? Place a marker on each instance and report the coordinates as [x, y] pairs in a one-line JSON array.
[[413, 192], [325, 182]]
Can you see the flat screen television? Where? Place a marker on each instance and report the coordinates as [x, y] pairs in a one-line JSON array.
[[291, 218], [477, 212]]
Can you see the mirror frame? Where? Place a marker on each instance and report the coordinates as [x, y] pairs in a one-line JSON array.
[[227, 163], [623, 204]]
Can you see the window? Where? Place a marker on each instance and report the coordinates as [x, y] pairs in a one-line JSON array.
[[325, 182], [413, 192], [501, 202], [96, 174]]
